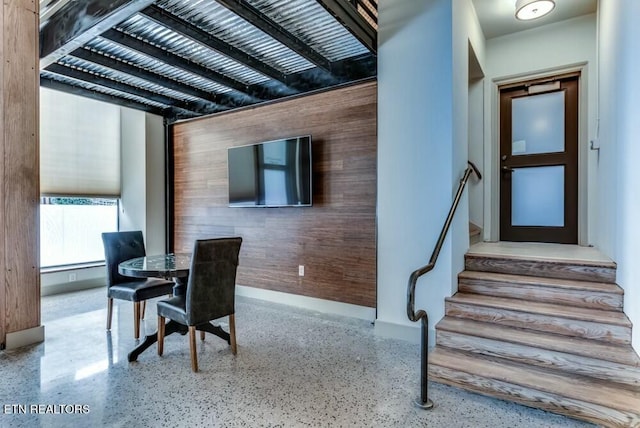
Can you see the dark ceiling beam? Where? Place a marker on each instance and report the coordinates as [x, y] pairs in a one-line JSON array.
[[343, 71], [251, 93], [95, 79], [368, 8], [80, 21], [252, 15], [132, 70], [46, 82], [356, 68], [194, 33], [353, 21]]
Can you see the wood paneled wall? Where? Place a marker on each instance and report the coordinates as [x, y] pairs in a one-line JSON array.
[[335, 239], [19, 171]]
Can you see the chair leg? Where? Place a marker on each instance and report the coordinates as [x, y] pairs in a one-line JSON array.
[[192, 347], [160, 335], [201, 334], [109, 312], [232, 333], [136, 320], [144, 306]]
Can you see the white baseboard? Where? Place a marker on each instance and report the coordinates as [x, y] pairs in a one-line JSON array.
[[410, 333], [69, 287], [59, 281], [311, 303], [18, 339]]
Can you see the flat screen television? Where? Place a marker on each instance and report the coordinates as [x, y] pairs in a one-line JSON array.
[[271, 174]]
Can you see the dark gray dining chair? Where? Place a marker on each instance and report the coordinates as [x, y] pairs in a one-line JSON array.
[[119, 247], [211, 290]]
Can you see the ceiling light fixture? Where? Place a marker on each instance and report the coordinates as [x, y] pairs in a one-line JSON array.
[[527, 10]]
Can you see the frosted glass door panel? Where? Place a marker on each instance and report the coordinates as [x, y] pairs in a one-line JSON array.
[[537, 124], [537, 196]]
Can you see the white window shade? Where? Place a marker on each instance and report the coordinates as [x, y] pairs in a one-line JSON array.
[[79, 146]]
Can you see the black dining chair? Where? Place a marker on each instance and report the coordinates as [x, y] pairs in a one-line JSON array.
[[210, 293], [119, 247]]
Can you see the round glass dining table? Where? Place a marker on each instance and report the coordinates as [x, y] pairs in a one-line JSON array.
[[170, 266], [175, 267]]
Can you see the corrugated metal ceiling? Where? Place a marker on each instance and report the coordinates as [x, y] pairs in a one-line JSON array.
[[187, 58]]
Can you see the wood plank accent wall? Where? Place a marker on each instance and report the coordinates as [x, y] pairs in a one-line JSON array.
[[334, 239], [19, 170]]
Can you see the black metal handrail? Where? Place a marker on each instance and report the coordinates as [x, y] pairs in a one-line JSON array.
[[424, 401]]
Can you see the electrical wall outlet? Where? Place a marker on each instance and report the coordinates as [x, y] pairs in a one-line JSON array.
[[301, 270], [72, 277]]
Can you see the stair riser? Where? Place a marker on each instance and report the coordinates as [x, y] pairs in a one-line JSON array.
[[579, 328], [568, 363], [533, 398], [586, 348], [546, 269], [544, 294]]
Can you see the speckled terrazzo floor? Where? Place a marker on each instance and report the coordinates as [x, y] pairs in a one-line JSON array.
[[294, 368]]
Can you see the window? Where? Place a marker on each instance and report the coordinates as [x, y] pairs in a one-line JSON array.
[[79, 177], [71, 227]]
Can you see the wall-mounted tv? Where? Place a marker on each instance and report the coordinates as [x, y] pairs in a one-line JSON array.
[[271, 174]]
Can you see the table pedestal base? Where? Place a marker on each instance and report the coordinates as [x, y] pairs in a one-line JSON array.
[[175, 327]]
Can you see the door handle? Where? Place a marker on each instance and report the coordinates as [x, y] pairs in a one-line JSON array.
[[507, 169]]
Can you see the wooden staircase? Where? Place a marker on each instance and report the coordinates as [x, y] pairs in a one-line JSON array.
[[546, 333]]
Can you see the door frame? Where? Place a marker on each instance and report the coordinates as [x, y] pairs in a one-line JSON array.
[[492, 148]]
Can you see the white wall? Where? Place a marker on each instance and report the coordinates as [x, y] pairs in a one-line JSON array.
[[422, 151], [538, 51], [132, 214], [155, 238], [142, 199], [609, 46], [476, 151], [619, 112], [475, 126], [466, 32]]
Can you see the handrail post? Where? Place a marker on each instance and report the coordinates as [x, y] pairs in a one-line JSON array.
[[423, 401]]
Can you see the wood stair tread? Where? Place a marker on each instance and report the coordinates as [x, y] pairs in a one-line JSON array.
[[567, 292], [543, 266], [569, 284], [548, 309], [569, 386], [542, 259], [622, 354]]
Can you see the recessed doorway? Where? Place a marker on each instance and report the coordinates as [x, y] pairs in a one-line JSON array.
[[538, 160]]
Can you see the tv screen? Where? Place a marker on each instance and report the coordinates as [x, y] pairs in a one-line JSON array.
[[271, 174]]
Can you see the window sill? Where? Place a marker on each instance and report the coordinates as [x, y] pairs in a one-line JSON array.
[[68, 268]]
